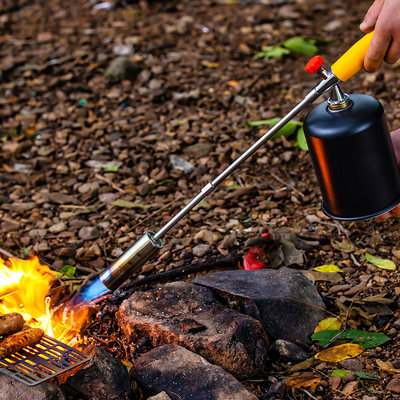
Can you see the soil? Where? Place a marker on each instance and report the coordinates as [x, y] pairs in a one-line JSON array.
[[62, 119]]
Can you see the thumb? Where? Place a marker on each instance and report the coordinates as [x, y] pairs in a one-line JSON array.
[[371, 16]]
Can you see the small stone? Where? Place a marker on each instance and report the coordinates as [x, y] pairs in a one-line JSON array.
[[179, 163], [37, 233], [287, 155], [147, 268], [350, 387], [160, 396], [89, 233], [123, 68], [229, 241], [57, 228], [65, 252], [90, 187], [207, 236], [42, 246], [366, 397], [394, 384], [201, 249], [144, 188], [333, 26], [352, 364], [289, 350], [108, 197]]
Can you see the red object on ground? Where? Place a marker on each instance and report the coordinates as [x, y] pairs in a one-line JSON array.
[[314, 64], [251, 261]]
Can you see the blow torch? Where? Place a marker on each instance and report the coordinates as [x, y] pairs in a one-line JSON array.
[[344, 68]]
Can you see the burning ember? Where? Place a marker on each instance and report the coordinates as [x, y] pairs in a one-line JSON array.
[[24, 288]]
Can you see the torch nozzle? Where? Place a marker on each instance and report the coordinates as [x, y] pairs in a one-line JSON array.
[[131, 261]]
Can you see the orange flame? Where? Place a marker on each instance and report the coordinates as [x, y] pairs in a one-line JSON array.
[[24, 288]]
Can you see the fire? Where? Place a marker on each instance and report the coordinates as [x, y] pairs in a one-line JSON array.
[[24, 288]]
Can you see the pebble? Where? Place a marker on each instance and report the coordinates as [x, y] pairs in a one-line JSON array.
[[89, 233], [352, 364], [394, 384], [350, 387], [57, 228], [42, 246], [37, 233], [147, 268], [201, 249], [366, 397]]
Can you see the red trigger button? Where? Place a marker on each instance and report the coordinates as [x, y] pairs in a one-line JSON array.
[[314, 64]]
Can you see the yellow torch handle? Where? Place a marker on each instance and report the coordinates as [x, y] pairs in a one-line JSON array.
[[352, 61]]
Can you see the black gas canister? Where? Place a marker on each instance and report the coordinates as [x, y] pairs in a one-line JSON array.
[[353, 158]]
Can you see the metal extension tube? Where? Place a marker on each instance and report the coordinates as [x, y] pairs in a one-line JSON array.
[[150, 243]]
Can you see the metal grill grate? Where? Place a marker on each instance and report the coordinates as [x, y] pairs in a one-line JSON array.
[[47, 359]]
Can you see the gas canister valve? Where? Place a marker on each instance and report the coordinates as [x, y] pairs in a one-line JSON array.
[[337, 100]]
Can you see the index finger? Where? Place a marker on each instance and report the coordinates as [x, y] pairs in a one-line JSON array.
[[376, 51]]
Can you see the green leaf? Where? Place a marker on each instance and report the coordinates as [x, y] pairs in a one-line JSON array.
[[111, 169], [380, 262], [271, 52], [67, 270], [301, 45], [270, 122], [363, 338], [364, 375], [287, 130], [301, 139], [340, 372]]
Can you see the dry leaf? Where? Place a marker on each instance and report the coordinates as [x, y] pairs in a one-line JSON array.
[[344, 245], [301, 365], [386, 366], [322, 276], [306, 380], [331, 323], [339, 353]]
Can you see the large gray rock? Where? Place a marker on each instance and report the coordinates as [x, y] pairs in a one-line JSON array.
[[103, 377], [189, 315], [11, 389], [285, 301], [187, 376]]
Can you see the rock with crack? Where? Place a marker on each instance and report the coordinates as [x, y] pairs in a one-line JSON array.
[[186, 375], [190, 315], [284, 300]]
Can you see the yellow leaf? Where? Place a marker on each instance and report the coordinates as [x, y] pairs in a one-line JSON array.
[[328, 268], [339, 353], [326, 324], [306, 380]]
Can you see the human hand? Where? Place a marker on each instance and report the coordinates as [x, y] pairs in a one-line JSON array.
[[395, 136], [383, 17]]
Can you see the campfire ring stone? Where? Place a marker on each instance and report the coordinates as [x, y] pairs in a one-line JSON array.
[[191, 316]]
